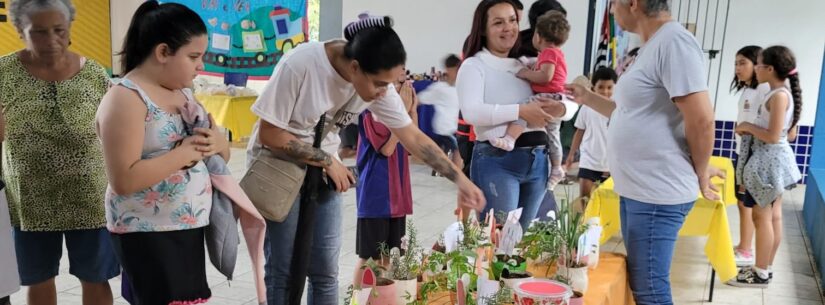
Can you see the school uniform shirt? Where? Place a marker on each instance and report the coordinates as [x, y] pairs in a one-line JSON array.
[[444, 99], [649, 155], [384, 189], [304, 86], [593, 148], [749, 103]]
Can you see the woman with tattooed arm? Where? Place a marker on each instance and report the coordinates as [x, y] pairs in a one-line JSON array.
[[339, 79]]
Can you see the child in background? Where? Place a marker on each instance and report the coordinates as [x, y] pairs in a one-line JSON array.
[[751, 99], [771, 166], [384, 193], [548, 77], [591, 136], [444, 98]]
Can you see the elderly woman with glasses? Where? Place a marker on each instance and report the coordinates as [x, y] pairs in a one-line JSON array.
[[52, 160]]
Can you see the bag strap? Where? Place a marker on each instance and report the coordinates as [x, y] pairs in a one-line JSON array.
[[321, 131]]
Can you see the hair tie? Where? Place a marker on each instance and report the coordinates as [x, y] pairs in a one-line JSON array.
[[793, 72], [366, 21]]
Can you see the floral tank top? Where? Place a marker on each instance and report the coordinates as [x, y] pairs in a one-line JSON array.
[[180, 202]]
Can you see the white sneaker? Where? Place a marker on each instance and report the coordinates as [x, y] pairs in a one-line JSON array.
[[743, 257]]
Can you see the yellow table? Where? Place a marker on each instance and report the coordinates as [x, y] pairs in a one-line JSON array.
[[707, 218], [232, 113]]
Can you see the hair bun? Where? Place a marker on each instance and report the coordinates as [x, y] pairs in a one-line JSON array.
[[365, 21]]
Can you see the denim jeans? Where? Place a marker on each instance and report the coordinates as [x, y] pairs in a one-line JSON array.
[[323, 270], [511, 180], [650, 232]]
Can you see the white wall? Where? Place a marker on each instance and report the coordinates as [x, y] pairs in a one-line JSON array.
[[796, 24], [122, 11], [431, 29]]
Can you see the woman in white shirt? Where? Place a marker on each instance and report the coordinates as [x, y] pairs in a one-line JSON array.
[[491, 96], [751, 98], [338, 79]]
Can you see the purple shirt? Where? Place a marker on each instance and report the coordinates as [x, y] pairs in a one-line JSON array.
[[384, 189]]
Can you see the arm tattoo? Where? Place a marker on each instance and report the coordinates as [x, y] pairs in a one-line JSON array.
[[435, 158], [303, 151]]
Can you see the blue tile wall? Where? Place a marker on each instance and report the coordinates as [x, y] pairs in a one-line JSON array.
[[724, 146]]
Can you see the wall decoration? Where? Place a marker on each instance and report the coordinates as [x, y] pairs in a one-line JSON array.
[[250, 36]]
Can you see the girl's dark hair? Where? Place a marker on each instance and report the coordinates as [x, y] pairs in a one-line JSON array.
[[749, 52], [540, 8], [476, 41], [153, 24], [784, 63], [374, 44], [603, 73]]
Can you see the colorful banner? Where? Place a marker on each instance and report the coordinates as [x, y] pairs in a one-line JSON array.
[[250, 36], [91, 31]]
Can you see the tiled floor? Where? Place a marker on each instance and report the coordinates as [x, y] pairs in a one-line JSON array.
[[434, 199]]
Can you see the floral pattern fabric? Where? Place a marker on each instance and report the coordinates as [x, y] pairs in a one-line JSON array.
[[180, 202]]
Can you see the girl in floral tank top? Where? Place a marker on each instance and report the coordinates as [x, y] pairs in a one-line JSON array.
[[181, 201], [160, 194]]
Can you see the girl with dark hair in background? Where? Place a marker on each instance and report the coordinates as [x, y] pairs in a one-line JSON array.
[[338, 79], [160, 195], [538, 8], [751, 99], [771, 167]]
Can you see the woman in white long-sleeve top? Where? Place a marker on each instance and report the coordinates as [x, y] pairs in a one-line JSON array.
[[491, 96]]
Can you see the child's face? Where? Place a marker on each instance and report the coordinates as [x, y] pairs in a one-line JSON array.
[[185, 64], [604, 88]]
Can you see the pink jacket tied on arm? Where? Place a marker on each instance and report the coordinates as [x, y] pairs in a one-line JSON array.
[[229, 204]]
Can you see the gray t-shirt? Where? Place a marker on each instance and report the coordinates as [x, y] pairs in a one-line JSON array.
[[649, 156]]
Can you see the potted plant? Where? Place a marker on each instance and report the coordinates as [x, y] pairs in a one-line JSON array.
[[504, 296], [513, 263], [383, 288], [578, 297], [511, 277], [570, 230], [541, 245], [405, 269]]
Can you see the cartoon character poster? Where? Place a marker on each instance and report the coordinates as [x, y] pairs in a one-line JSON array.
[[249, 36]]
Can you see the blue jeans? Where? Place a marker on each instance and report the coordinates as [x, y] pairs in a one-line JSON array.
[[650, 232], [511, 180], [323, 270]]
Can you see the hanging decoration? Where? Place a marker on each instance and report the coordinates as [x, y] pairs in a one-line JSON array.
[[249, 36]]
